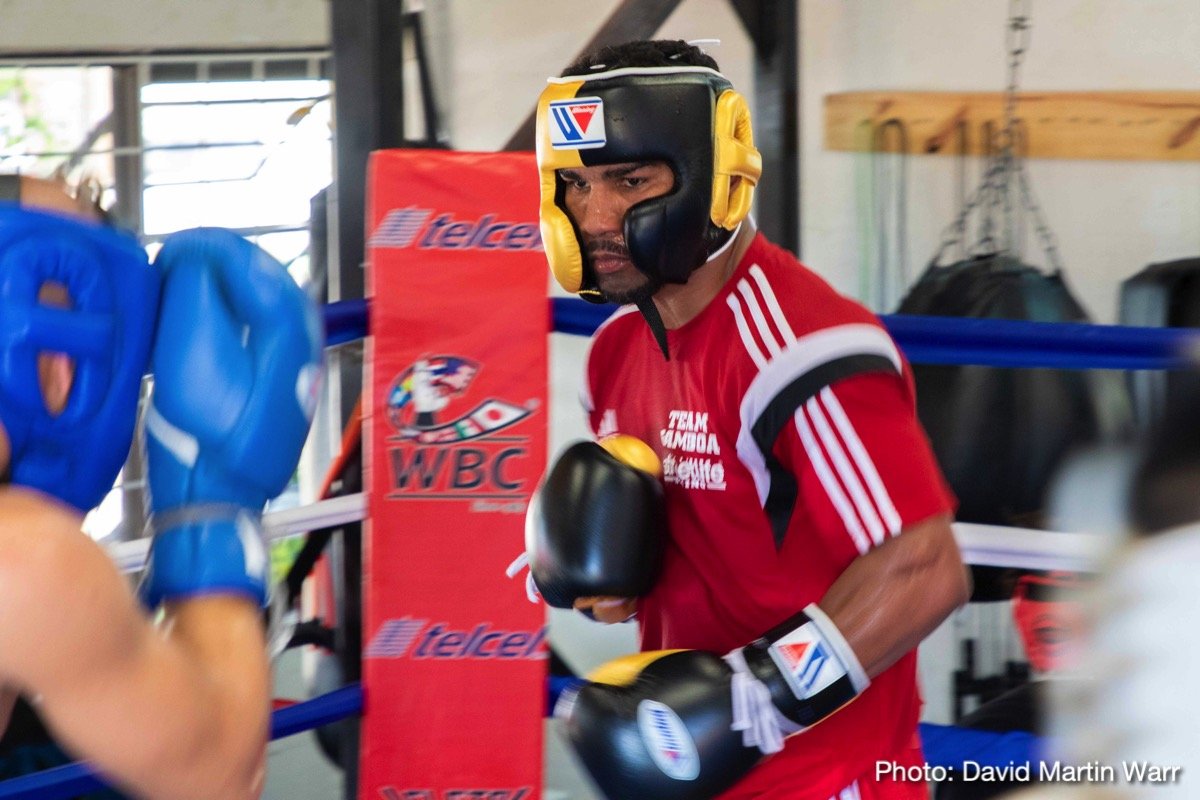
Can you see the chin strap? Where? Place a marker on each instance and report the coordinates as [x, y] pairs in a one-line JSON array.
[[721, 241], [654, 320]]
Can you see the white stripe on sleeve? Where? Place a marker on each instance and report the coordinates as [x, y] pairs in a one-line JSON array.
[[862, 458], [849, 793], [845, 471], [830, 483], [805, 354]]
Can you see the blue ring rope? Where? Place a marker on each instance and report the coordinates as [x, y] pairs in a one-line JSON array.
[[345, 321], [70, 780], [925, 340], [989, 342], [945, 745]]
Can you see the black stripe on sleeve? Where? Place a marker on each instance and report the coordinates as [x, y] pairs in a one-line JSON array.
[[783, 492]]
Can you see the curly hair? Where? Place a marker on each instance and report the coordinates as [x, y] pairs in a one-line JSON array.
[[641, 53]]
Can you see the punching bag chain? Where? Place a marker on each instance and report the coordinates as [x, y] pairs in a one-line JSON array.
[[1005, 184], [1017, 41]]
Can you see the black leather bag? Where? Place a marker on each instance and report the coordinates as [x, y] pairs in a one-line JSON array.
[[999, 434]]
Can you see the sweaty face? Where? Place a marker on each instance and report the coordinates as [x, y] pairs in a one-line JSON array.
[[597, 199]]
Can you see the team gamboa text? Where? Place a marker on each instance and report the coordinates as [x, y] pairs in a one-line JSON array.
[[1134, 772]]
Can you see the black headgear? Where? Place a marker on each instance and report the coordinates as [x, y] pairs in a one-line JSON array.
[[689, 117]]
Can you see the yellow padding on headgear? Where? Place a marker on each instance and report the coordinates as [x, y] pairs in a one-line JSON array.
[[558, 236], [625, 670], [734, 154], [632, 452]]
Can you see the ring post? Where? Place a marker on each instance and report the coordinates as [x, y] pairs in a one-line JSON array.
[[456, 431]]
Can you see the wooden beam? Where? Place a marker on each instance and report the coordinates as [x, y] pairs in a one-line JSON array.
[[1140, 126]]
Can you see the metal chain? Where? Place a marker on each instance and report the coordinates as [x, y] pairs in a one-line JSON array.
[[956, 231], [1017, 42], [1005, 173], [1049, 243], [1018, 36], [1020, 26]]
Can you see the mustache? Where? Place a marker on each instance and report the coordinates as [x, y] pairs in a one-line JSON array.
[[606, 246]]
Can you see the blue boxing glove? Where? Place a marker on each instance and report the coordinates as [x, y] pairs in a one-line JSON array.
[[76, 453], [237, 367]]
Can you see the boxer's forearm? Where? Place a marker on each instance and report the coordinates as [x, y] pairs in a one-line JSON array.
[[179, 713], [891, 598]]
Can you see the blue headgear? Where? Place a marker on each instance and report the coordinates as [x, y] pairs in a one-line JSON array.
[[74, 455]]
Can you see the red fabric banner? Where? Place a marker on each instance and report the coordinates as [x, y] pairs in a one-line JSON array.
[[456, 425]]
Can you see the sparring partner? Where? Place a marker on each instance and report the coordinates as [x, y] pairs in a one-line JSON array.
[[179, 709], [807, 532]]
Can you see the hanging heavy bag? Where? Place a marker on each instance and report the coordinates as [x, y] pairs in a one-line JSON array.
[[999, 434]]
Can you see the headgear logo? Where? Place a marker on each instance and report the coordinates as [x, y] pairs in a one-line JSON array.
[[578, 124], [421, 410], [403, 227]]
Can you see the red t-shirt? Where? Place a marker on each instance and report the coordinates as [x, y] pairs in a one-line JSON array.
[[786, 424]]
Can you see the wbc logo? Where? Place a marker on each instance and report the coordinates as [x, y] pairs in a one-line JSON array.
[[577, 124]]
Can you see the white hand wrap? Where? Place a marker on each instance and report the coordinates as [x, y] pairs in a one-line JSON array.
[[793, 677]]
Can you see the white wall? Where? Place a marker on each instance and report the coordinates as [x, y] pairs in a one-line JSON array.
[[500, 54], [1111, 218], [49, 26]]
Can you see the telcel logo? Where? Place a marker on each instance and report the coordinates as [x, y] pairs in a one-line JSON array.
[[416, 638], [392, 793], [404, 227]]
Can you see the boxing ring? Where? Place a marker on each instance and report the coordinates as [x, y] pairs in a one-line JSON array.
[[923, 339]]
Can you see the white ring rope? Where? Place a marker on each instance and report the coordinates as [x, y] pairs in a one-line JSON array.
[[990, 545], [1024, 548], [131, 556]]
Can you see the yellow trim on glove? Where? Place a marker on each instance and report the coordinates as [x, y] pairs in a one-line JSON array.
[[632, 452], [625, 670]]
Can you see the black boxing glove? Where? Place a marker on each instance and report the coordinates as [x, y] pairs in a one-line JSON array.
[[688, 725], [658, 726], [596, 524]]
